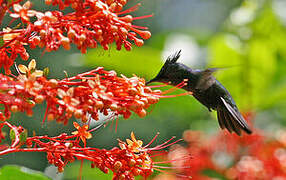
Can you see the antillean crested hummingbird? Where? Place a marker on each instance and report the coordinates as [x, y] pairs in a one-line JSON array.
[[206, 89]]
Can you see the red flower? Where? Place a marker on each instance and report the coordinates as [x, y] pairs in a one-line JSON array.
[[30, 70], [133, 144], [23, 12], [82, 132]]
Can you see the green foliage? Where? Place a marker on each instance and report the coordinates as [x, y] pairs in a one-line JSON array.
[[12, 172], [256, 63], [73, 172], [144, 61]]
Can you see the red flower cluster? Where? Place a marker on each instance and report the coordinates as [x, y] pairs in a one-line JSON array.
[[117, 5], [80, 96], [10, 52], [229, 156], [126, 162], [92, 22]]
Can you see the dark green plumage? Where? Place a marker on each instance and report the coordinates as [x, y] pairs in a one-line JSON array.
[[207, 90]]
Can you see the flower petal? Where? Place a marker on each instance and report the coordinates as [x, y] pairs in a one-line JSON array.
[[27, 5], [83, 139], [38, 73], [70, 91], [10, 36], [32, 65], [17, 7], [88, 135], [139, 143], [133, 136], [76, 125], [23, 69], [61, 93], [31, 13], [129, 142], [75, 132], [122, 145], [14, 15], [85, 127], [40, 15]]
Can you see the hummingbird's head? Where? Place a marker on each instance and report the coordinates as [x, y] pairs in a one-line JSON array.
[[170, 70]]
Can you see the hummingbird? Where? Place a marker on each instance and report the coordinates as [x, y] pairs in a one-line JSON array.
[[206, 89]]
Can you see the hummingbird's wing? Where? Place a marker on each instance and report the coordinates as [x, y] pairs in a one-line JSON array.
[[206, 79], [230, 118]]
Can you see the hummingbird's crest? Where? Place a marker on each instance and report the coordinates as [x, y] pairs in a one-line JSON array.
[[165, 70], [174, 57]]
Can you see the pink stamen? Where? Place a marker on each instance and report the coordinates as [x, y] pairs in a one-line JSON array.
[[173, 160], [140, 27], [180, 85], [159, 154], [143, 17], [166, 167], [163, 147], [159, 146], [158, 86], [97, 127], [152, 140], [166, 172], [132, 9], [162, 171], [176, 95]]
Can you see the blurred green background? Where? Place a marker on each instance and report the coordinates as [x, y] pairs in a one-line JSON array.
[[247, 38]]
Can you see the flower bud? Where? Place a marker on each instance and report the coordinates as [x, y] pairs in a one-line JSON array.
[[39, 99], [141, 113], [78, 113], [117, 165]]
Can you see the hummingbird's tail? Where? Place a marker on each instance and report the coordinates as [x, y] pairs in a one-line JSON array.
[[231, 119]]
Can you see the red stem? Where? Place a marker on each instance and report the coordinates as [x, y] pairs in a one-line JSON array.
[[74, 151]]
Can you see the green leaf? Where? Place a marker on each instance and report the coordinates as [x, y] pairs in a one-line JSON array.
[[12, 172], [73, 170]]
